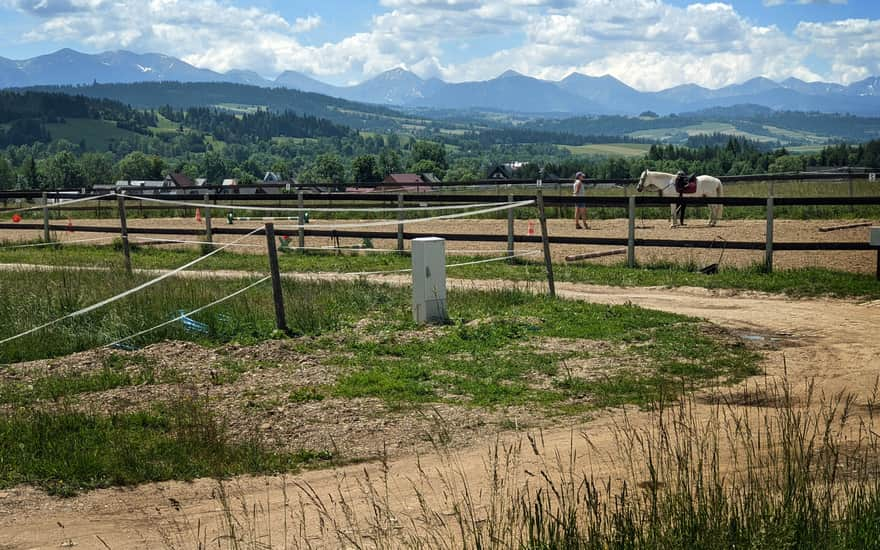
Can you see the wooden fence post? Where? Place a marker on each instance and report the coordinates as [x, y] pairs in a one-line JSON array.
[[123, 231], [277, 294], [768, 252], [631, 233], [400, 225], [209, 231], [510, 241], [301, 220], [545, 241], [46, 236], [851, 190]]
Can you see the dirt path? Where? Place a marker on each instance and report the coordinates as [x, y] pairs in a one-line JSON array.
[[731, 230], [833, 341]]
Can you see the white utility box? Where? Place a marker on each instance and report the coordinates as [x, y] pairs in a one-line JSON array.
[[875, 236], [429, 280]]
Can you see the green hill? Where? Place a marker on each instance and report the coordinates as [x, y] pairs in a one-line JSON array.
[[97, 135]]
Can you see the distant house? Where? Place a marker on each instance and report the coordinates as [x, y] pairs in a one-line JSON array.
[[404, 179], [408, 182], [234, 186], [178, 181], [141, 187], [429, 177], [500, 172]]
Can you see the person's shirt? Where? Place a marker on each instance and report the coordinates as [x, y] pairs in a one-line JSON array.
[[579, 189]]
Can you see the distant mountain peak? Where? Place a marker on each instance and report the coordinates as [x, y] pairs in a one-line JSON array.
[[397, 73], [510, 73]]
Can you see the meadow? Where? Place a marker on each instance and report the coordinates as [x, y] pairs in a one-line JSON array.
[[501, 349]]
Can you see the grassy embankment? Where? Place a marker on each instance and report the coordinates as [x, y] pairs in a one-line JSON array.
[[490, 355]]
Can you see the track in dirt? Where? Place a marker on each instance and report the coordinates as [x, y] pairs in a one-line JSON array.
[[831, 341]]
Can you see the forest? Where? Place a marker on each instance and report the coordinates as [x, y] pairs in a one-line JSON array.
[[218, 143]]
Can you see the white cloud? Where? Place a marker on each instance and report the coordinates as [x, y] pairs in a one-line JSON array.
[[306, 24], [851, 46], [771, 3], [649, 44]]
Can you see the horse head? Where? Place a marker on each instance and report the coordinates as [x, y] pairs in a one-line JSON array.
[[641, 186]]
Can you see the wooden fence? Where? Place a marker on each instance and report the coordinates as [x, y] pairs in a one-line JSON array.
[[631, 204]]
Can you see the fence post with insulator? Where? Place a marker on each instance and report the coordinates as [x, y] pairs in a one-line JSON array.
[[123, 231]]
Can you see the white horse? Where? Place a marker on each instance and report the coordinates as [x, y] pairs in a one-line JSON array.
[[707, 186]]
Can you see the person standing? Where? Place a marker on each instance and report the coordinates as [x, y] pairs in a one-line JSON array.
[[580, 208]]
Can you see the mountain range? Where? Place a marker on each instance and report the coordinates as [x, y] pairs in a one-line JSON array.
[[577, 94]]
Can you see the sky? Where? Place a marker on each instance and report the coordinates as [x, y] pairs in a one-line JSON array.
[[648, 44]]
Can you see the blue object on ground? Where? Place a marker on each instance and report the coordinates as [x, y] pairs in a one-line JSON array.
[[125, 347], [192, 325]]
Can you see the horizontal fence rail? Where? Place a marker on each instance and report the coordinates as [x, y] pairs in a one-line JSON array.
[[463, 237], [399, 200]]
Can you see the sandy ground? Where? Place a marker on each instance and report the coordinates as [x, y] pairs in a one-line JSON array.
[[830, 341], [739, 230]]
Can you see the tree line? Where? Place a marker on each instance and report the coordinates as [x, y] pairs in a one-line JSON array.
[[355, 158]]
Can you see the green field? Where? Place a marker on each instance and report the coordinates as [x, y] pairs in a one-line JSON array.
[[609, 149], [805, 149], [98, 134], [674, 134], [773, 134], [164, 125]]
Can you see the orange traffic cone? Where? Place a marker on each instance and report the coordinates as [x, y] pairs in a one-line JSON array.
[[531, 227], [199, 215], [69, 225]]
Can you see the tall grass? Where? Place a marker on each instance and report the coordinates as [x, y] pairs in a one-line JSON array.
[[758, 467], [29, 299]]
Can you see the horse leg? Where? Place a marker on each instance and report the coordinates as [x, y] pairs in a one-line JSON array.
[[715, 211], [672, 213]]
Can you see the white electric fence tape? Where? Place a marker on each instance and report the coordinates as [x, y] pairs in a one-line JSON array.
[[56, 243], [193, 312], [342, 248], [264, 279], [498, 259], [307, 209], [57, 204], [505, 206], [129, 292]]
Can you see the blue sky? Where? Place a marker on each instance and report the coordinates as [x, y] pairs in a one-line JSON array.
[[649, 44]]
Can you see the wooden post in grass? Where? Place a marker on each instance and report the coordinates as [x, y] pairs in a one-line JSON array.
[[301, 220], [545, 240], [123, 232], [209, 231], [631, 234], [277, 295], [768, 252], [510, 242], [45, 217], [400, 225]]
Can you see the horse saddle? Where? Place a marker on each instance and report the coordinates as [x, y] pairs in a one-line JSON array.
[[686, 184]]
